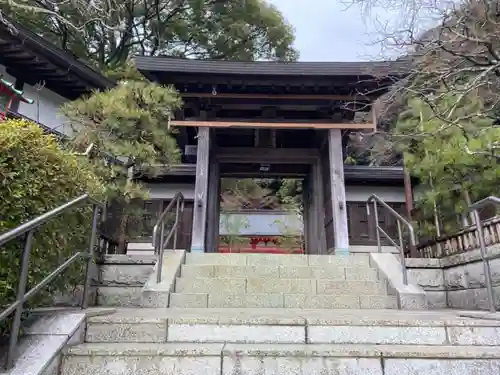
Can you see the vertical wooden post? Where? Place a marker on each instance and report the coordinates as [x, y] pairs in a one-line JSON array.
[[318, 202], [339, 207], [306, 216], [201, 191], [212, 203]]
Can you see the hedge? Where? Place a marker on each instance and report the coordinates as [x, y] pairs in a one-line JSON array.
[[36, 175]]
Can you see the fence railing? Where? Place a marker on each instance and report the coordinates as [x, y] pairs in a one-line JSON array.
[[462, 241], [159, 238], [482, 246], [28, 231], [400, 220]]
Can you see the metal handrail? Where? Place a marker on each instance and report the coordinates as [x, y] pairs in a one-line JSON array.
[[28, 229], [159, 231], [374, 199], [482, 245]]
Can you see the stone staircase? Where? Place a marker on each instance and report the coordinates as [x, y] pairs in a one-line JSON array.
[[279, 281], [249, 314], [284, 342]]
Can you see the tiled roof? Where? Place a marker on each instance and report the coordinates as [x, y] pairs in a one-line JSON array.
[[177, 65]]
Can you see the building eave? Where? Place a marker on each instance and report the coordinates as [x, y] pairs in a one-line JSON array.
[[267, 68], [35, 59]]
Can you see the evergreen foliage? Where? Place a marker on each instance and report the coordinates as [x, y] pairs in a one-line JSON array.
[[127, 127], [448, 155], [37, 175]]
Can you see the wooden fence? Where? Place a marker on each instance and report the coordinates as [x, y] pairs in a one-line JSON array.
[[462, 241]]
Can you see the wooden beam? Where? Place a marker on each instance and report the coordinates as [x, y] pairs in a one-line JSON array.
[[201, 191], [266, 155], [272, 96], [339, 207], [272, 125]]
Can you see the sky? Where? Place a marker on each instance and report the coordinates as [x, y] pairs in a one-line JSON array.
[[330, 30], [327, 30]]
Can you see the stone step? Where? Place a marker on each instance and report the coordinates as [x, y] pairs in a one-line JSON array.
[[358, 260], [290, 329], [286, 272], [278, 359], [280, 300], [287, 286]]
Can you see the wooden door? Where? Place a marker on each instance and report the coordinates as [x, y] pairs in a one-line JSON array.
[[362, 229], [184, 233]]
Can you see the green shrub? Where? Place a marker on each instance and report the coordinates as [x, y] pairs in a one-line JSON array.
[[37, 175]]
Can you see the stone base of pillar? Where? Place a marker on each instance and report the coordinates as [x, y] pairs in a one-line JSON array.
[[197, 249], [339, 251]]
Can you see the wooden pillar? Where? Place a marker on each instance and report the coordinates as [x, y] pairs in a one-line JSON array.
[[306, 216], [339, 207], [201, 191], [212, 203], [318, 210]]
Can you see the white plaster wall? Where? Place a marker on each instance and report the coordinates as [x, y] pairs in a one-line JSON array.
[[45, 109], [8, 77], [353, 193], [167, 191], [358, 193]]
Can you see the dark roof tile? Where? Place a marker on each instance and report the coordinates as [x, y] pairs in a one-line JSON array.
[[177, 65]]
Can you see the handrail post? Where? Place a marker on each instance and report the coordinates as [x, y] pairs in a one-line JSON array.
[[21, 289], [486, 263], [176, 223], [159, 264], [402, 253], [377, 232], [90, 257]]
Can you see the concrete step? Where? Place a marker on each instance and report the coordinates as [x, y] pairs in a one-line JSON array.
[[313, 327], [358, 260], [280, 300], [286, 272], [278, 359], [287, 286]]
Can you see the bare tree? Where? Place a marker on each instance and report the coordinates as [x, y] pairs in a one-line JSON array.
[[453, 68]]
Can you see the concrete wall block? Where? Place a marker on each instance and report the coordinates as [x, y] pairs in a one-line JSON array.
[[495, 271], [461, 299], [436, 299], [455, 278], [427, 278]]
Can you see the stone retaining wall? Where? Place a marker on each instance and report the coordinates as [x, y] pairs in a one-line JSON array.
[[456, 281]]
